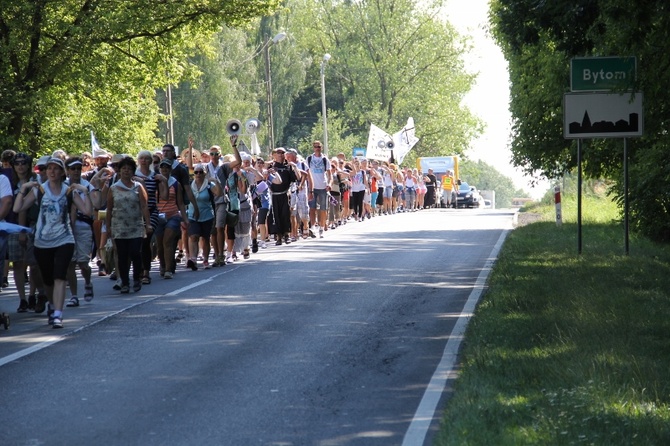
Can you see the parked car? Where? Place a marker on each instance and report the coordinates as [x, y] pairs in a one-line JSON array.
[[468, 196]]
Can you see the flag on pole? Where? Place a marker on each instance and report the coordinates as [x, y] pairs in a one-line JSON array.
[[255, 147], [404, 140], [95, 147], [377, 144]]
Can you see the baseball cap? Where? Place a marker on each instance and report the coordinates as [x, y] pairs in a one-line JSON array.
[[166, 162], [43, 160], [57, 161], [280, 150]]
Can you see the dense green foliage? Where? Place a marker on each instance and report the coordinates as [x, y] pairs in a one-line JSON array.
[[539, 39], [70, 66], [486, 177]]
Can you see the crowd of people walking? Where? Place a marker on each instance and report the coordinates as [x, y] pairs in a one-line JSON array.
[[121, 213]]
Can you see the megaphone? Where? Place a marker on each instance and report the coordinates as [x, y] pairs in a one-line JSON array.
[[252, 125], [381, 143], [233, 127], [390, 145]]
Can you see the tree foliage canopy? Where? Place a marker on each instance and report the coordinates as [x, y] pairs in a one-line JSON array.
[[56, 55], [539, 39]]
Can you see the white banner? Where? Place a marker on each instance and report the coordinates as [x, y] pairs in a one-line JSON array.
[[377, 141]]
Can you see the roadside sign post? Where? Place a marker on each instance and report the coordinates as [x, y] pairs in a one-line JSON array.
[[596, 109], [557, 200]]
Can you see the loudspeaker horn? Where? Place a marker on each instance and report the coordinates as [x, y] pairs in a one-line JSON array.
[[233, 127], [390, 145], [252, 125], [381, 144]]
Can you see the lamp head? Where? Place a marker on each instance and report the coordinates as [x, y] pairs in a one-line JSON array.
[[279, 37], [326, 57]]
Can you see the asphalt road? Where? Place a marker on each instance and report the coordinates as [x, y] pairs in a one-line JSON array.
[[329, 341]]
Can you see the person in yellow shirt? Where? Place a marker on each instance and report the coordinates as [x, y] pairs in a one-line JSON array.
[[447, 188]]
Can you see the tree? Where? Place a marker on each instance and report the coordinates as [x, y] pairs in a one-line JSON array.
[[486, 177], [47, 49], [538, 40], [390, 61]]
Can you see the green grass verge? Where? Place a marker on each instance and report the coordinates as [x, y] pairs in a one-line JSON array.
[[568, 349]]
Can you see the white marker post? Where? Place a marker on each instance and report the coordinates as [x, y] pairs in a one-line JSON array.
[[557, 199]]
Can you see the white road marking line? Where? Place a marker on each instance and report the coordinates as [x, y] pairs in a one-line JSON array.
[[418, 428]]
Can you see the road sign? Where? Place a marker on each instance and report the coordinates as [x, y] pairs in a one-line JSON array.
[[602, 73], [602, 115]]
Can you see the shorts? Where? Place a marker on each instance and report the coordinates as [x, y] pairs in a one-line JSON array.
[[299, 206], [373, 199], [320, 199], [54, 262], [20, 253], [220, 215], [83, 243], [200, 228], [263, 215], [388, 191], [173, 223]]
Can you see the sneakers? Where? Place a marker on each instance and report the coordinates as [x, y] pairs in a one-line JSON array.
[[117, 285], [50, 316], [320, 232], [113, 276], [32, 302], [254, 246], [125, 289], [263, 244], [23, 306], [88, 292], [74, 302], [205, 264], [137, 285], [57, 322], [245, 253], [191, 264], [101, 270], [168, 275], [41, 304], [311, 233], [4, 320], [229, 257]]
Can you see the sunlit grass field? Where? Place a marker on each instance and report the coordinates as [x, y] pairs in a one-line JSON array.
[[567, 348]]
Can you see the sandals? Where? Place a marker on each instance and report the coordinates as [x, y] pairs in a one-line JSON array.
[[245, 253], [88, 292], [146, 280], [74, 302]]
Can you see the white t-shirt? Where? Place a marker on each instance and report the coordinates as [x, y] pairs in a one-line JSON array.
[[318, 166], [5, 187]]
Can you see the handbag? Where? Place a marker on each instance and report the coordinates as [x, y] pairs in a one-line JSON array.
[[231, 218]]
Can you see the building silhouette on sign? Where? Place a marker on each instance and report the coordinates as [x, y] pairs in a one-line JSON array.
[[621, 126]]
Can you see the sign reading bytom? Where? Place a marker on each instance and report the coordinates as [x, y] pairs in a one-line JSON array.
[[602, 73]]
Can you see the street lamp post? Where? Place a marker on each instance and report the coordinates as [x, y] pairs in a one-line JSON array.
[[326, 58], [268, 83]]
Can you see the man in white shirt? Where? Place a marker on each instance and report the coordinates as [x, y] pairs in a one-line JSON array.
[[319, 171]]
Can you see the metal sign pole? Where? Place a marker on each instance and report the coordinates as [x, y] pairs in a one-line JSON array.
[[625, 196], [579, 196]]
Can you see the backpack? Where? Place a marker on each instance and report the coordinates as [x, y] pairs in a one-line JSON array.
[[323, 160]]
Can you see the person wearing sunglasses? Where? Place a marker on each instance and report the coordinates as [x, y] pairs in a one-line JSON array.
[[218, 237], [83, 235], [20, 246], [200, 227], [54, 238]]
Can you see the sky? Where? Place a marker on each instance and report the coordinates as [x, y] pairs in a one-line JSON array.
[[489, 98]]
